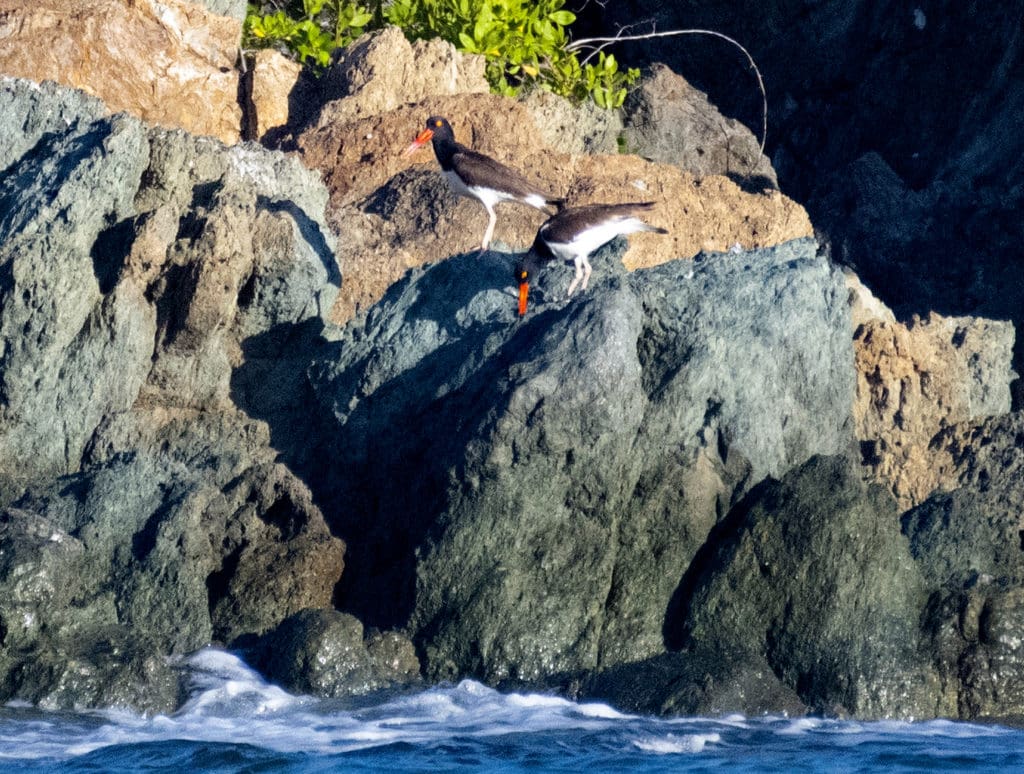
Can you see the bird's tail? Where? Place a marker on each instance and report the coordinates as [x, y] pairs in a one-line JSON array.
[[646, 207]]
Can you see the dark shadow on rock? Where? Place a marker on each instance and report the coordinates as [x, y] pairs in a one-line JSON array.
[[379, 471], [714, 553], [305, 101], [271, 384], [310, 231], [110, 251], [753, 184]]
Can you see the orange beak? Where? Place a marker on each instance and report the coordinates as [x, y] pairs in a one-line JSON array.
[[524, 290], [421, 139]]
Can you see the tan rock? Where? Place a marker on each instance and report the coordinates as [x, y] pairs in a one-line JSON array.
[[273, 78], [169, 62], [916, 380], [382, 71], [394, 212]]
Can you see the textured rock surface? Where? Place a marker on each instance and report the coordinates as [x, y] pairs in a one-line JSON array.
[[271, 81], [400, 213], [925, 210], [170, 62], [144, 512], [383, 71], [968, 544], [917, 379], [325, 653], [670, 121], [531, 494], [813, 579]]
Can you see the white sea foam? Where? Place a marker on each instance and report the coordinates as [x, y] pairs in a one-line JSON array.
[[671, 744], [229, 702]]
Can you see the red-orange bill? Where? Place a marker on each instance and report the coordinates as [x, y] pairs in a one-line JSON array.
[[421, 139], [524, 290]]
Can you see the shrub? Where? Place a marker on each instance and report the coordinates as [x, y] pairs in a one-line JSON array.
[[524, 42], [308, 30]]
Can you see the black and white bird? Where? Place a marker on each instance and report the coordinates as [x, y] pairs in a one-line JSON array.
[[573, 234], [478, 176]]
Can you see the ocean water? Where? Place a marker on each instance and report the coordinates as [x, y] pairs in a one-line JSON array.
[[236, 722]]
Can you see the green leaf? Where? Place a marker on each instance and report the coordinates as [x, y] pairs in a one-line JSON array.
[[564, 18]]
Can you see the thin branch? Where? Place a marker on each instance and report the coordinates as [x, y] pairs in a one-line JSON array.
[[619, 38]]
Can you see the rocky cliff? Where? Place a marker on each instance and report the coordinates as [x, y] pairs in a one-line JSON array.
[[270, 399]]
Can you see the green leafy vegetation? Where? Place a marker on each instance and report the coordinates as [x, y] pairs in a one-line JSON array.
[[308, 30], [524, 42]]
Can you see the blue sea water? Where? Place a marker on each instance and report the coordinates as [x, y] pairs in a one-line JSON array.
[[236, 722]]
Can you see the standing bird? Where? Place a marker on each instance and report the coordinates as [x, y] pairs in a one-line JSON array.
[[478, 176], [573, 234]]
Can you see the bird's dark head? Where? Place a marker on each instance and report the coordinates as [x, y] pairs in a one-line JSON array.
[[437, 128], [525, 271]]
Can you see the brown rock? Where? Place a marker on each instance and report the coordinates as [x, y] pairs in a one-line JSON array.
[[382, 71], [915, 380], [396, 213], [273, 78], [170, 62]]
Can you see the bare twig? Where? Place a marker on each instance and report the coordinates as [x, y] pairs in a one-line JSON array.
[[588, 43]]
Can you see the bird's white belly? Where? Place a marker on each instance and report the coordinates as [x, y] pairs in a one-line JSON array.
[[588, 240]]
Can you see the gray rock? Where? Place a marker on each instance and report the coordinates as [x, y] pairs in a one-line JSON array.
[[974, 530], [707, 681], [133, 263], [145, 515], [668, 120], [29, 111], [528, 495], [73, 348], [967, 543], [324, 652], [232, 8], [570, 128], [811, 577]]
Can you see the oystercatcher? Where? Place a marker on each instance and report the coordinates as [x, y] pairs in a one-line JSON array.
[[478, 176], [573, 234]]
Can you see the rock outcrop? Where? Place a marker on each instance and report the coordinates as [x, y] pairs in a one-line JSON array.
[[684, 490], [527, 496], [170, 62], [401, 213], [915, 380], [925, 210], [143, 513], [670, 121]]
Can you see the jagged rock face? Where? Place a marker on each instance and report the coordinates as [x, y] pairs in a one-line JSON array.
[[968, 545], [670, 121], [145, 277], [269, 81], [811, 578], [170, 62], [400, 212], [915, 380], [529, 495], [897, 137]]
